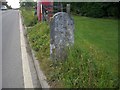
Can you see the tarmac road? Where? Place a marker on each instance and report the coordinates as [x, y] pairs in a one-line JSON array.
[[12, 74], [12, 67]]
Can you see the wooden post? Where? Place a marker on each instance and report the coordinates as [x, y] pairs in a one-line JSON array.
[[41, 12], [68, 8], [61, 5]]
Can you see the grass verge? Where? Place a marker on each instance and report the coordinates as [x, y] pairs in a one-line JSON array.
[[92, 61], [85, 66]]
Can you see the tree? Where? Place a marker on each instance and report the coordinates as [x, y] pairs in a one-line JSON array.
[[95, 9], [4, 2], [27, 3]]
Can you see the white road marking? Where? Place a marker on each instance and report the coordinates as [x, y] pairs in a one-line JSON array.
[[25, 64]]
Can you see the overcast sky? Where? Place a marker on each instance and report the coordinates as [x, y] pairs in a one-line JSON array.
[[13, 3]]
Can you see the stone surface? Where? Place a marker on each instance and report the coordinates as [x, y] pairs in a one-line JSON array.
[[61, 35]]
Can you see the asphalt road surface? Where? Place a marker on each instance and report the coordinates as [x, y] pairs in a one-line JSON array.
[[12, 68], [12, 74]]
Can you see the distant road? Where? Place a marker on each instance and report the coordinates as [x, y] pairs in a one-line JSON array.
[[12, 74]]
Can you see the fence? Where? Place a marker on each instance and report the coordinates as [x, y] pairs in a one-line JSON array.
[[49, 10]]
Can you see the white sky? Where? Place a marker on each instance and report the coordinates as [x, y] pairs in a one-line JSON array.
[[13, 3]]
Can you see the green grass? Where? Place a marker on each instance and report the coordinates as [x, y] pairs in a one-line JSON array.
[[29, 18], [100, 38], [103, 33], [92, 61]]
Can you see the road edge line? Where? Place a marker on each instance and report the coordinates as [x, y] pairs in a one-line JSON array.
[[41, 76], [25, 63]]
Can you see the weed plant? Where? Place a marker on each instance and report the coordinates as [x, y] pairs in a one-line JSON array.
[[80, 69]]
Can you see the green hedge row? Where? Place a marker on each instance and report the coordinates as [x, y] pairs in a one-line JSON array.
[[95, 9]]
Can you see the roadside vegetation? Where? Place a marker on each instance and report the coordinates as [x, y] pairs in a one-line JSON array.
[[29, 18], [92, 61]]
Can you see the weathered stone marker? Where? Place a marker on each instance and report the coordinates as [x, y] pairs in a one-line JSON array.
[[61, 35]]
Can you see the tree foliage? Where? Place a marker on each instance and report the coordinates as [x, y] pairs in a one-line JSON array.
[[27, 3], [6, 4], [95, 9]]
